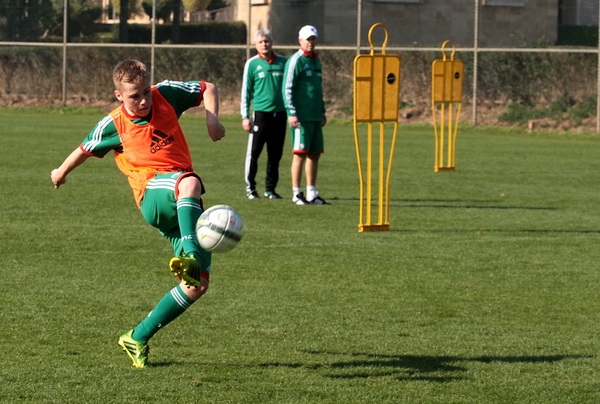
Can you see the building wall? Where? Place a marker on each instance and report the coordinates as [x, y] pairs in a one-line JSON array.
[[259, 18], [535, 22], [579, 12], [427, 23]]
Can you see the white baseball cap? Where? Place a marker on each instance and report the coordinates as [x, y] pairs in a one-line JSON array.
[[307, 31]]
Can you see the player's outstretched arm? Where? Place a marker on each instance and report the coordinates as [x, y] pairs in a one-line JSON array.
[[75, 159], [216, 130]]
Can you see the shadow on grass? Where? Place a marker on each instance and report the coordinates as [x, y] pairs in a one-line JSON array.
[[476, 204], [449, 204], [509, 231], [411, 367]]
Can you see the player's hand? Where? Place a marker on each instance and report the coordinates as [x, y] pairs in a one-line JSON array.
[[216, 131], [247, 125], [57, 178], [293, 120]]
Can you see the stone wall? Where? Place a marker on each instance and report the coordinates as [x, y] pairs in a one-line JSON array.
[[427, 23]]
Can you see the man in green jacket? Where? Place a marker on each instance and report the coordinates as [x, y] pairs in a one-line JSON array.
[[261, 88], [303, 98]]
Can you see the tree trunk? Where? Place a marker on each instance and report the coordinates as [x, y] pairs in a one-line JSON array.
[[123, 17], [176, 27]]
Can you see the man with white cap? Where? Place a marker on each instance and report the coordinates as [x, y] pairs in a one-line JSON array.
[[303, 98]]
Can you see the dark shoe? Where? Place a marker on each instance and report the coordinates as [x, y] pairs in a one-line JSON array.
[[299, 199], [252, 195], [272, 195], [319, 201]]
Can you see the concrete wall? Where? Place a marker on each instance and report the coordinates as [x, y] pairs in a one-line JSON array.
[[427, 23], [579, 12]]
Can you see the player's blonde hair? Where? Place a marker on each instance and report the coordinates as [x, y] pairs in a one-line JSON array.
[[130, 71]]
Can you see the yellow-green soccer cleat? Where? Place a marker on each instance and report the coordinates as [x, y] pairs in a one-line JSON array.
[[187, 268], [137, 351]]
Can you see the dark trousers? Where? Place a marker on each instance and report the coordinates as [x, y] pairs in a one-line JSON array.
[[269, 128]]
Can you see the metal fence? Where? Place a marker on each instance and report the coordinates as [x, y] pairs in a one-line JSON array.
[[361, 46]]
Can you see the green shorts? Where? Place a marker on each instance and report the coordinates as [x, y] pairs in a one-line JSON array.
[[307, 138], [159, 208]]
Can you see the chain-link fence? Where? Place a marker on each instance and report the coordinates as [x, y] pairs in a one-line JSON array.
[[509, 56]]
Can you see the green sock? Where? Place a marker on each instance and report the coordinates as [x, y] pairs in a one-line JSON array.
[[188, 212], [167, 309]]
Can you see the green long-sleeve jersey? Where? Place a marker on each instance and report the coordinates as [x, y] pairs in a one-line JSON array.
[[261, 85], [303, 87]]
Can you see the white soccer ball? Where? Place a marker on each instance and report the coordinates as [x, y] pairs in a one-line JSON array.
[[219, 228]]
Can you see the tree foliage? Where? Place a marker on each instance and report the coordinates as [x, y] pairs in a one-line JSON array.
[[218, 4], [194, 6], [215, 5], [35, 19], [25, 21], [164, 8], [82, 14], [134, 7]]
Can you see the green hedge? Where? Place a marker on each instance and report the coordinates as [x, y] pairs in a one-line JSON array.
[[210, 32], [559, 82]]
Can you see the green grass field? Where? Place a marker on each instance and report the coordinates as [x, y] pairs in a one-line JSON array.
[[485, 289]]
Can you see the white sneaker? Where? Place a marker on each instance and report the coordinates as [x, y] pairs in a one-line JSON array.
[[299, 199]]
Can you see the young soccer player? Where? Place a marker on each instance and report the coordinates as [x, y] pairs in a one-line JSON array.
[[151, 150]]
